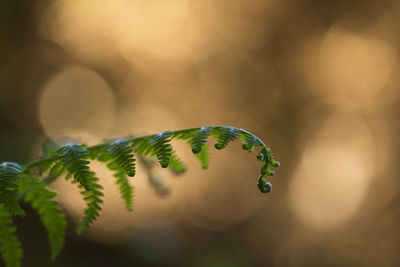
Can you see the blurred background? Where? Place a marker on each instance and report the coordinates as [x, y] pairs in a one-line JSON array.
[[316, 80]]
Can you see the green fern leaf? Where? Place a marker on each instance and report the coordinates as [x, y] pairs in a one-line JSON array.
[[9, 199], [204, 156], [121, 152], [73, 158], [185, 134], [10, 246], [249, 141], [161, 148], [142, 146], [99, 152], [93, 199], [42, 200], [121, 162], [225, 135], [176, 164], [45, 167], [57, 169], [10, 172], [200, 139], [125, 189]]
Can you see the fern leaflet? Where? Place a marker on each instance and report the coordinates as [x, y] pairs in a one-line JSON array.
[[121, 153], [93, 199], [249, 141], [204, 156], [198, 141], [176, 164], [224, 136], [45, 167], [42, 200], [10, 246], [9, 175], [73, 158], [161, 148], [120, 159], [142, 146], [125, 189]]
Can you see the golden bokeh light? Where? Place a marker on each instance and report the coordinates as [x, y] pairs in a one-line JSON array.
[[75, 26], [348, 69], [154, 29], [336, 167], [77, 102], [236, 23]]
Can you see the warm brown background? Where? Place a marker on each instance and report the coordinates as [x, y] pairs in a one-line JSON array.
[[316, 80]]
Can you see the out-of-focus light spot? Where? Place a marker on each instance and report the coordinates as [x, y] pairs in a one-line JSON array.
[[348, 70], [156, 29], [336, 167], [145, 118], [236, 23], [75, 103], [81, 27]]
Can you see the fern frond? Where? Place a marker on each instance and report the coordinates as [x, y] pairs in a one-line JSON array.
[[143, 146], [53, 219], [176, 164], [224, 136], [121, 161], [99, 152], [16, 183], [93, 199], [249, 141], [204, 156], [10, 172], [161, 147], [73, 158], [10, 246], [200, 139], [197, 139], [125, 189], [121, 152], [45, 166], [57, 169], [9, 199]]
